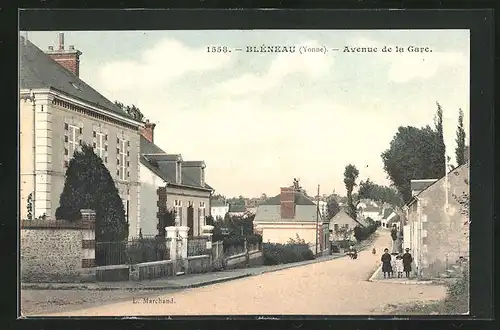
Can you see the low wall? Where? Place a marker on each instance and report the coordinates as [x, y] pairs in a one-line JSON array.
[[156, 269], [253, 258], [112, 273], [199, 264], [57, 251]]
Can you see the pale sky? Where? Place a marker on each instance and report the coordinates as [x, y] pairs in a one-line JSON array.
[[259, 120]]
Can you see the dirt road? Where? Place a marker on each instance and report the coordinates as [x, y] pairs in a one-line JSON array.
[[336, 287]]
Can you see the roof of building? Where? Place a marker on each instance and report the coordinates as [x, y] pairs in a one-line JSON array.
[[272, 213], [418, 185], [386, 213], [164, 168], [300, 199], [414, 198], [38, 70], [342, 216], [394, 218], [237, 208], [371, 208]]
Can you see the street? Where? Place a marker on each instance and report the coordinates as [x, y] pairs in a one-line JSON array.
[[335, 287]]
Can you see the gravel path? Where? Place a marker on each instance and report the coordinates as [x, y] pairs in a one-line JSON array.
[[336, 287]]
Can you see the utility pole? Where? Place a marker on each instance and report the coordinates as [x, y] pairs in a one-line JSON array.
[[317, 220]]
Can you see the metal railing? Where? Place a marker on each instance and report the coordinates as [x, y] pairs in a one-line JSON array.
[[133, 251], [197, 246]]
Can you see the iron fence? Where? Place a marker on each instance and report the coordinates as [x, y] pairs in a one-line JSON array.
[[133, 251], [197, 246]]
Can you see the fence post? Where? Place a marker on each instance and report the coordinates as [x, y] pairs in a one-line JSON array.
[[171, 241], [88, 238], [183, 235], [247, 254]]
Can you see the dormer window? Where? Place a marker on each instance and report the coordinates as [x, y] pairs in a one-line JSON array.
[[178, 172]]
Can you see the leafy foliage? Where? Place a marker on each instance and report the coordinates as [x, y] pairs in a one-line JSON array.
[[351, 174], [166, 219], [132, 111], [344, 232], [362, 233], [147, 250], [275, 254], [414, 153], [460, 150], [370, 190], [89, 185], [332, 207], [29, 206]]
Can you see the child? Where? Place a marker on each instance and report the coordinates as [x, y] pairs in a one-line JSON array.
[[393, 264], [399, 265]]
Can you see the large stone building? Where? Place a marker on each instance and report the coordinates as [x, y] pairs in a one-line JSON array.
[[436, 231], [59, 112], [168, 183]]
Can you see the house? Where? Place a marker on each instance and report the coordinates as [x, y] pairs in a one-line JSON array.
[[436, 230], [237, 210], [288, 215], [59, 112], [393, 220], [372, 212], [340, 221], [169, 183], [218, 209], [385, 215]]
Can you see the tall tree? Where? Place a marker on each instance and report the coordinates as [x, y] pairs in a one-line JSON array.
[[370, 190], [332, 207], [351, 174], [440, 161], [460, 140], [414, 153]]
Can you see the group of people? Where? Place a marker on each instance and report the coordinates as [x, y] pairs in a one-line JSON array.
[[397, 263]]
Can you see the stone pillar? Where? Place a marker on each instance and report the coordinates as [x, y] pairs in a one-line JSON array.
[[171, 241], [183, 236], [88, 238]]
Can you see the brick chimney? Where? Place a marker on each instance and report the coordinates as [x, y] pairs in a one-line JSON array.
[[287, 203], [148, 131], [68, 58]]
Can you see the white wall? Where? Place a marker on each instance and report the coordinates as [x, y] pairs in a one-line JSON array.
[[219, 211], [150, 183]]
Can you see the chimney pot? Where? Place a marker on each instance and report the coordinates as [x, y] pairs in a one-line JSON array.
[[71, 47], [51, 48], [61, 41]]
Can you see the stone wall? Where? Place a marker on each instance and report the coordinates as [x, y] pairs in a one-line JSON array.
[[58, 251]]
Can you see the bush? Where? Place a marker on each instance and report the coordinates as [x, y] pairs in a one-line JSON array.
[[89, 185], [275, 254], [146, 250], [457, 299]]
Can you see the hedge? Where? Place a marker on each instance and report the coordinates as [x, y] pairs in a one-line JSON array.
[[275, 254]]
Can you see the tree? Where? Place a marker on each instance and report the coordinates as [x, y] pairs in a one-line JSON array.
[[368, 189], [132, 111], [414, 153], [89, 185], [460, 150], [166, 219], [344, 232], [332, 207], [350, 176]]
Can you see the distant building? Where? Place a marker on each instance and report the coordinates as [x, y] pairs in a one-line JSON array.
[[219, 209], [237, 210]]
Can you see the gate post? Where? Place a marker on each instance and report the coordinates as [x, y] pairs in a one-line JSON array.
[[183, 235], [171, 242]]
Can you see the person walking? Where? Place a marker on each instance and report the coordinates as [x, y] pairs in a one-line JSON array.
[[386, 263], [407, 260]]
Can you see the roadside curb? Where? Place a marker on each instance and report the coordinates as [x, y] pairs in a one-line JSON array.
[[374, 278]]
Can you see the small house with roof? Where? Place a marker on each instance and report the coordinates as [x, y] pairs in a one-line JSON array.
[[218, 209], [341, 223], [58, 113], [437, 230], [289, 215], [237, 210], [169, 183]]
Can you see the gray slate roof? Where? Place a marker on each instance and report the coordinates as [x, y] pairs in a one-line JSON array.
[[237, 208], [165, 169], [421, 184], [217, 203], [39, 70], [272, 213]]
